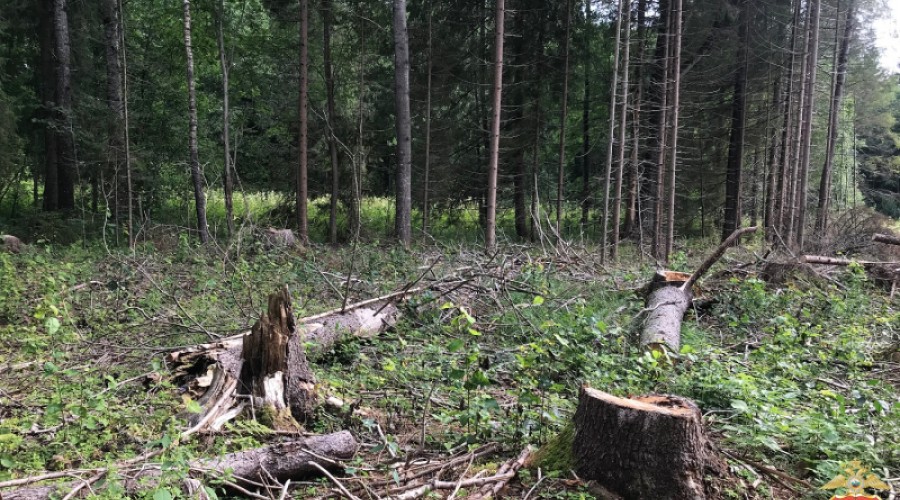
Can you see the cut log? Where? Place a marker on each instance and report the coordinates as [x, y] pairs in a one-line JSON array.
[[670, 296], [645, 447], [291, 460], [665, 309], [886, 238]]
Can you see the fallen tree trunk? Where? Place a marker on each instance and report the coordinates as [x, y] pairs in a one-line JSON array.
[[884, 273], [643, 447], [291, 460], [886, 238], [670, 295]]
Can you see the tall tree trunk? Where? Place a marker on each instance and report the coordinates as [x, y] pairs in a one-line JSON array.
[[678, 13], [226, 125], [194, 155], [623, 121], [426, 187], [490, 238], [48, 98], [404, 141], [662, 135], [125, 132], [327, 21], [631, 215], [111, 38], [586, 171], [771, 164], [359, 157], [834, 113], [303, 168], [783, 200], [561, 172], [65, 140], [613, 87], [808, 110], [734, 169]]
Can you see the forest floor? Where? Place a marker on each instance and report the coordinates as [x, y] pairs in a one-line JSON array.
[[793, 380]]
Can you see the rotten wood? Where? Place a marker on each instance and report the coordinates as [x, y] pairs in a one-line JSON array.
[[886, 239], [282, 461], [643, 447]]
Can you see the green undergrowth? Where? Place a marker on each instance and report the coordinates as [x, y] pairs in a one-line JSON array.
[[785, 376]]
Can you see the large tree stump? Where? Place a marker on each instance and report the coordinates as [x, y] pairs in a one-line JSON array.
[[275, 368], [642, 448]]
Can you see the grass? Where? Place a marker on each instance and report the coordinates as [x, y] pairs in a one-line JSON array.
[[791, 377]]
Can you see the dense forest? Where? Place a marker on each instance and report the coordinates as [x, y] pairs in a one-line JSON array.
[[616, 249], [534, 117]]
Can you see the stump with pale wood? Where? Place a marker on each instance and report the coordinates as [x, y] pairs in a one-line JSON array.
[[644, 447]]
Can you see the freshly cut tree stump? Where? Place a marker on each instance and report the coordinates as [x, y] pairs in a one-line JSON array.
[[642, 448]]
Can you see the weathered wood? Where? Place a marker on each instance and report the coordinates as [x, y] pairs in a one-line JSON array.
[[271, 361], [886, 238], [10, 243], [282, 461], [275, 368], [644, 447]]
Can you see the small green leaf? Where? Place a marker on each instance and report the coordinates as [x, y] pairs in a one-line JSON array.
[[388, 365], [455, 345], [739, 405], [538, 300], [52, 324], [162, 494], [7, 462]]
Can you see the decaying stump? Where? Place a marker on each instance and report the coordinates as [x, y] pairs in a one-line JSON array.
[[275, 368], [670, 296], [290, 460], [278, 375], [275, 238], [10, 243], [645, 447]]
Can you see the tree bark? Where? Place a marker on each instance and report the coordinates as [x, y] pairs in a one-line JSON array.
[[663, 53], [613, 87], [586, 170], [561, 172], [734, 169], [48, 99], [282, 461], [115, 141], [403, 220], [228, 183], [784, 200], [490, 238], [834, 113], [426, 187], [194, 155], [808, 111], [327, 21], [623, 122], [64, 140], [631, 212], [303, 167], [644, 447], [678, 13]]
